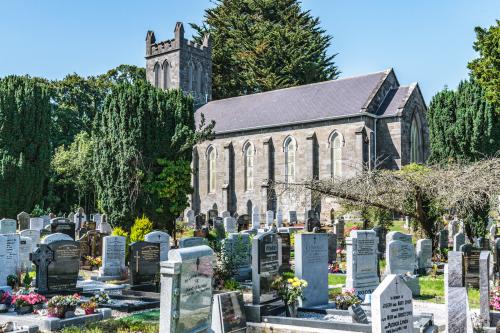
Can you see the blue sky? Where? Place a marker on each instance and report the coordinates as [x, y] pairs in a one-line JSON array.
[[425, 41]]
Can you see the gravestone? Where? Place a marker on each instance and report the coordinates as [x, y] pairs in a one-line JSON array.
[[484, 286], [239, 247], [311, 264], [113, 258], [144, 265], [279, 218], [23, 220], [199, 222], [471, 264], [255, 218], [358, 315], [90, 246], [97, 218], [58, 263], [9, 256], [228, 313], [243, 222], [211, 215], [186, 290], [269, 218], [382, 238], [105, 228], [8, 226], [79, 218], [192, 241], [34, 235], [392, 307], [36, 223], [458, 240], [161, 238], [55, 237], [362, 261], [400, 257], [225, 214], [46, 220], [455, 293], [424, 255], [63, 226], [312, 223], [265, 267], [286, 248], [443, 239], [332, 247], [497, 255], [218, 223], [396, 235], [25, 248], [230, 225], [190, 218], [338, 228], [292, 217]]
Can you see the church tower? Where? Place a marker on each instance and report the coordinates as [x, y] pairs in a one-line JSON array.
[[180, 64]]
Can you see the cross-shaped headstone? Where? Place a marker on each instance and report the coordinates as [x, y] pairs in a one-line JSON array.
[[42, 257]]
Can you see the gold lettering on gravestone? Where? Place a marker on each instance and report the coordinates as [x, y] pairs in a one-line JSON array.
[[150, 253], [68, 251]]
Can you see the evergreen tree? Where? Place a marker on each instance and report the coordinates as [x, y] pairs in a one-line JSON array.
[[139, 126], [25, 113], [463, 126], [261, 45]]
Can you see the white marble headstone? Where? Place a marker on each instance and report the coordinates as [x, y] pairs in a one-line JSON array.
[[9, 256], [230, 225], [34, 235], [36, 223], [269, 218], [25, 248], [255, 218], [279, 218], [55, 237]]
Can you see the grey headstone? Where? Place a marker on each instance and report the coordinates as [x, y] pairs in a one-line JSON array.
[[230, 225], [113, 256], [484, 286], [192, 241], [456, 274], [458, 240], [255, 218], [9, 256], [265, 266], [269, 218], [190, 220], [34, 235], [189, 274], [392, 308], [105, 228], [36, 223], [55, 237], [25, 248], [358, 314], [23, 220], [292, 217], [424, 253], [279, 218], [311, 264], [362, 261], [225, 214], [332, 246], [161, 238], [64, 226], [443, 239], [8, 226], [400, 257], [396, 235]]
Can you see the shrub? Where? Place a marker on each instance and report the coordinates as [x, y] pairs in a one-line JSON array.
[[142, 226]]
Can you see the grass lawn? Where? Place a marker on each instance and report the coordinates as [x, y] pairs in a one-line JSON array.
[[336, 279], [145, 322]]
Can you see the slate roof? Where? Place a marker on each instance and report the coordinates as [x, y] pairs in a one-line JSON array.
[[395, 100], [302, 104]]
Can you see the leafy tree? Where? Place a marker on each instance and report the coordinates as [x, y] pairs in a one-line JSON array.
[[25, 113], [261, 45], [138, 126], [486, 68], [72, 174], [462, 125]]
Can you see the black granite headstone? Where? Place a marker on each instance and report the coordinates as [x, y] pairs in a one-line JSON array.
[[243, 222], [144, 266], [285, 251], [63, 225], [358, 314]]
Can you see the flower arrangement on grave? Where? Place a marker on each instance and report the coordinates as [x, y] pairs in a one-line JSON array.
[[5, 301], [24, 303], [346, 298], [495, 299], [289, 288], [59, 305], [94, 261], [89, 307], [334, 267], [100, 298]]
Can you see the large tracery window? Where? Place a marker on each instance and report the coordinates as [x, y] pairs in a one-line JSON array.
[[156, 71], [211, 169], [290, 149], [415, 142], [336, 155], [249, 154]]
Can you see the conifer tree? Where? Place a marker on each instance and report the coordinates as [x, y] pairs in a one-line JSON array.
[[261, 45]]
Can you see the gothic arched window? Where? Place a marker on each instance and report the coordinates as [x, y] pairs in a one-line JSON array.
[[156, 72], [290, 148], [212, 169], [336, 155], [249, 154], [190, 76], [415, 142], [199, 71], [166, 75]]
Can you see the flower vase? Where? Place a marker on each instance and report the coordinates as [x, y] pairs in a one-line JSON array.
[[89, 311], [291, 310]]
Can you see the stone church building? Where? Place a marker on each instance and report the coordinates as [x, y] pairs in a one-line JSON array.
[[323, 130]]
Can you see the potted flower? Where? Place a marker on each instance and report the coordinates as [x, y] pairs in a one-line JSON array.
[[94, 262], [289, 289], [89, 307], [60, 306], [100, 298], [346, 298], [5, 301], [26, 302]]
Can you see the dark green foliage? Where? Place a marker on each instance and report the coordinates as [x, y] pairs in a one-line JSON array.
[[486, 68], [261, 45], [25, 113], [462, 125], [138, 126]]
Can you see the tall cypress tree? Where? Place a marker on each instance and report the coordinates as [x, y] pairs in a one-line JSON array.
[[260, 45], [463, 125], [138, 126], [25, 113]]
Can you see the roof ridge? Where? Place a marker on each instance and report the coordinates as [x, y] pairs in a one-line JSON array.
[[386, 71], [366, 105]]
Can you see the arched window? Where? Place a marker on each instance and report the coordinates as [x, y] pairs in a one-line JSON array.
[[190, 76], [290, 148], [336, 155], [249, 153], [211, 169], [415, 142], [156, 71], [166, 75], [199, 71]]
